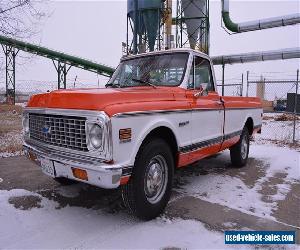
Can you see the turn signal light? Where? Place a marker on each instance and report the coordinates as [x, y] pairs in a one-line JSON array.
[[80, 174], [125, 134]]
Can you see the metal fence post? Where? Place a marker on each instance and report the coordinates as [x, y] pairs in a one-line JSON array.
[[295, 107], [223, 78], [247, 83], [242, 85]]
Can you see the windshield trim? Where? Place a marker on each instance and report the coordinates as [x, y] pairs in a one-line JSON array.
[[158, 54]]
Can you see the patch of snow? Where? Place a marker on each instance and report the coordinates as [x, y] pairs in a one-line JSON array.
[[78, 228], [230, 224], [22, 104], [234, 193], [228, 191], [11, 154], [280, 159]]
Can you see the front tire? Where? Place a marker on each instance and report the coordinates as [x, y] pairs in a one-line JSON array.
[[149, 188], [240, 151]]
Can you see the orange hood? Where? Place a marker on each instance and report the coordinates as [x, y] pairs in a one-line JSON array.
[[101, 99]]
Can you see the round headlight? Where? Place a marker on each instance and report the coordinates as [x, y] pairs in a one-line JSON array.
[[95, 136], [25, 123]]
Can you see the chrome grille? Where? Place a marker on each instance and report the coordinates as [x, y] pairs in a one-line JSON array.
[[58, 130]]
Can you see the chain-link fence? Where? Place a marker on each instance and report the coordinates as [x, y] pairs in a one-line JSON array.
[[27, 88], [280, 99]]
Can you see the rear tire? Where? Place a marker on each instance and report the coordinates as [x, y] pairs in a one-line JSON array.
[[149, 188], [240, 151]]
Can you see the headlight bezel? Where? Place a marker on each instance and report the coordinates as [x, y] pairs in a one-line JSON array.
[[105, 149], [89, 126]]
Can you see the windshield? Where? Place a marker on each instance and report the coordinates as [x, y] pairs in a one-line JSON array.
[[153, 70]]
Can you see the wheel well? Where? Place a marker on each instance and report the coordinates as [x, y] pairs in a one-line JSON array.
[[168, 136], [249, 125]]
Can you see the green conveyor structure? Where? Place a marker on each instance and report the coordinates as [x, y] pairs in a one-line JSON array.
[[57, 56]]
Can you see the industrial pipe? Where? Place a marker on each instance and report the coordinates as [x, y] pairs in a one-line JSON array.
[[257, 24], [257, 56]]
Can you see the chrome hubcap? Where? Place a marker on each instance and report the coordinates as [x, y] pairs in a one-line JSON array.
[[156, 177], [244, 147]]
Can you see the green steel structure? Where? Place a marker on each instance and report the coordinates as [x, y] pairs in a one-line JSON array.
[[62, 62]]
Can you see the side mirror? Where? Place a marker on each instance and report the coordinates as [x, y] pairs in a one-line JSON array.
[[200, 92]]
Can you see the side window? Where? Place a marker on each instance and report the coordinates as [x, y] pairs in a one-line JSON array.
[[200, 75]]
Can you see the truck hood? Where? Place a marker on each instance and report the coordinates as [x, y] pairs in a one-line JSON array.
[[100, 99]]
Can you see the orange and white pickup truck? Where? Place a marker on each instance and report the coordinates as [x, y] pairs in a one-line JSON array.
[[159, 111]]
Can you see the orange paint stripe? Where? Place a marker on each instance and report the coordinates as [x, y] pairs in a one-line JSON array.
[[190, 157], [185, 159], [230, 142]]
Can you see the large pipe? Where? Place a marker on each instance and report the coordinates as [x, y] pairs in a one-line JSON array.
[[257, 24], [58, 56], [168, 24], [257, 56]]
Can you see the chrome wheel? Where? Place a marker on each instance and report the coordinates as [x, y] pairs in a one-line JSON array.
[[244, 147], [156, 179]]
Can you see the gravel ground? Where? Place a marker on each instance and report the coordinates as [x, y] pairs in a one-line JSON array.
[[10, 130]]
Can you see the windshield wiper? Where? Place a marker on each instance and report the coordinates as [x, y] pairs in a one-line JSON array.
[[145, 82], [113, 85]]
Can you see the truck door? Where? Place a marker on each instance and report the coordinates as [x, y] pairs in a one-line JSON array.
[[207, 110]]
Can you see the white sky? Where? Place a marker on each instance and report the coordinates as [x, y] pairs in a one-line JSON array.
[[95, 30]]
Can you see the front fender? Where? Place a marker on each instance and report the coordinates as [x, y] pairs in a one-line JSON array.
[[141, 126]]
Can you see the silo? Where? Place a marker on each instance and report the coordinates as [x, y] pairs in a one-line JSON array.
[[146, 16], [194, 12], [151, 15]]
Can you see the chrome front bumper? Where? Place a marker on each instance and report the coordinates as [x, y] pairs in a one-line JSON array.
[[99, 173]]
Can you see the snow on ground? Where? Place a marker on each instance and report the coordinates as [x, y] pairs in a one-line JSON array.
[[232, 192], [73, 227], [48, 226]]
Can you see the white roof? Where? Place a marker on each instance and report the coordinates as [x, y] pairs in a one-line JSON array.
[[165, 52]]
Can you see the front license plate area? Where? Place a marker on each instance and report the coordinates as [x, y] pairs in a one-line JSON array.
[[47, 167]]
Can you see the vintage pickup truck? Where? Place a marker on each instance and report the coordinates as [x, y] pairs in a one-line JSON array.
[[159, 111]]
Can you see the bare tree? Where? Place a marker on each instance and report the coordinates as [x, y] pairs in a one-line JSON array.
[[21, 18]]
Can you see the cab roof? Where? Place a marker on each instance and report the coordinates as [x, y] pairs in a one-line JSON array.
[[188, 50]]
